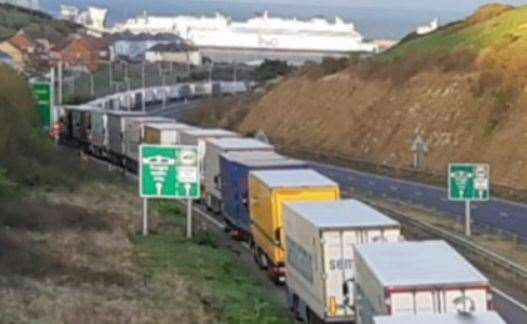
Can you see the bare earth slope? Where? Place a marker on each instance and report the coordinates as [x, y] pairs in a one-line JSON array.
[[462, 88]]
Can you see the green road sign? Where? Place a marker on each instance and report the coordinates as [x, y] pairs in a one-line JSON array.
[[44, 97], [169, 172], [468, 182]]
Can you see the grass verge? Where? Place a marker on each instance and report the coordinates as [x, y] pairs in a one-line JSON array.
[[223, 284]]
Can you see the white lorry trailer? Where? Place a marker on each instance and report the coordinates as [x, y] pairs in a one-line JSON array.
[[320, 237], [134, 133], [214, 148], [477, 318], [410, 278], [164, 134]]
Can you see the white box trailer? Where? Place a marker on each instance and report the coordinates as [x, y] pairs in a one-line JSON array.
[[165, 133], [197, 136], [416, 278], [193, 136], [116, 122], [320, 237], [476, 318], [214, 148], [99, 132], [134, 134]]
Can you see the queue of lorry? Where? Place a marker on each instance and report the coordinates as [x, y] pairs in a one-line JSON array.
[[341, 261]]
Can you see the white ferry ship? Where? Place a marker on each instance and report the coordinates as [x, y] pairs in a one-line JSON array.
[[262, 32]]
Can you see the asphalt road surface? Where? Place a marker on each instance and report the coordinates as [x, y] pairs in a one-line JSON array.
[[507, 216]]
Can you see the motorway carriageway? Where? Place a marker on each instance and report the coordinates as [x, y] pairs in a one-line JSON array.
[[498, 214]]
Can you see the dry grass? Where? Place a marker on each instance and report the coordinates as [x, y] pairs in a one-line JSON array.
[[69, 257], [228, 112]]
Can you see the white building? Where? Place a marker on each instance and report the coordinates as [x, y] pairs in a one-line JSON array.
[[427, 29], [177, 53]]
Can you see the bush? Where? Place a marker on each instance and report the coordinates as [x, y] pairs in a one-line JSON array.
[[272, 69], [331, 65]]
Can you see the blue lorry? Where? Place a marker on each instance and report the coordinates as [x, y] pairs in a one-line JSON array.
[[235, 168]]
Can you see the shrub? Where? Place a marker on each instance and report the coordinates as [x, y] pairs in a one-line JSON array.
[[271, 69]]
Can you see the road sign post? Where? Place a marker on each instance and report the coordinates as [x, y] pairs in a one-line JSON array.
[[468, 182], [43, 92], [169, 172]]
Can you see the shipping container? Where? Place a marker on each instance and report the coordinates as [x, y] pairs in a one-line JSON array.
[[150, 97], [197, 136], [116, 122], [77, 125], [214, 148], [99, 132], [185, 91], [460, 318], [416, 278], [138, 101], [234, 170], [174, 93], [268, 191], [164, 134], [134, 135], [320, 237]]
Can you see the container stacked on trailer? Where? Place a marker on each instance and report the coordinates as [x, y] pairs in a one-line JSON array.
[[198, 137], [164, 133], [459, 318], [320, 259], [268, 191], [115, 128], [133, 137], [235, 168], [342, 261], [214, 148], [414, 278]]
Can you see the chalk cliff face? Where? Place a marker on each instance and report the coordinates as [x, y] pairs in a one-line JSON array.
[[461, 88]]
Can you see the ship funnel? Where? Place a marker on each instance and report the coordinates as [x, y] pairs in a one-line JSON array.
[[98, 17]]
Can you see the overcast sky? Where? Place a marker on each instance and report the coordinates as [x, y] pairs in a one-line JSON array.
[[453, 5]]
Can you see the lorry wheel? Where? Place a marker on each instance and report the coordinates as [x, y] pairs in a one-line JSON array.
[[294, 308], [262, 259], [312, 318], [255, 255]]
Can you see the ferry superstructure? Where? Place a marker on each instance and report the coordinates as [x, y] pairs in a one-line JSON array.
[[262, 32]]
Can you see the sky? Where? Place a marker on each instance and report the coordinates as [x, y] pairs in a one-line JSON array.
[[451, 5]]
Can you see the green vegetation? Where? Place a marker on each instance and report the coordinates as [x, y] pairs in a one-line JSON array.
[[26, 154], [13, 19], [223, 284], [272, 69]]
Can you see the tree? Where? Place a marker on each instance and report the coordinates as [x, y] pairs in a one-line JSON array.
[[271, 69]]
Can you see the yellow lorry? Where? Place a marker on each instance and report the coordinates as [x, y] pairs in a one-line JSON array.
[[268, 191]]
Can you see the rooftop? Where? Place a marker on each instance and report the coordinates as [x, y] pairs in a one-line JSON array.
[[341, 214], [428, 263], [172, 47], [479, 318], [293, 178]]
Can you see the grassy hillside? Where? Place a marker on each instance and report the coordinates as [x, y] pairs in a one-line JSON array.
[[461, 88], [27, 158], [13, 19]]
